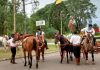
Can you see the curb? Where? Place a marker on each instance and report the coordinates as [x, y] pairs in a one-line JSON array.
[[23, 57]]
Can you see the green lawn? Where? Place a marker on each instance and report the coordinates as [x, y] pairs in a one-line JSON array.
[[7, 54]]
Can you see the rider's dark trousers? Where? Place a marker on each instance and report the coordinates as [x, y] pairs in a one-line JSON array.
[[45, 43], [94, 40]]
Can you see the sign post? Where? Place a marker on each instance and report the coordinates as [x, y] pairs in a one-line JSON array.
[[40, 22]]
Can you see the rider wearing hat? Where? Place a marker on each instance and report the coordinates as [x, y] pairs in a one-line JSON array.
[[89, 29], [40, 36]]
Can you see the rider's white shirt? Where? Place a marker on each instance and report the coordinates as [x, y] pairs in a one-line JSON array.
[[86, 30], [75, 39], [37, 33]]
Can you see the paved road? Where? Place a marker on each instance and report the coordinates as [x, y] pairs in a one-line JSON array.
[[51, 63]]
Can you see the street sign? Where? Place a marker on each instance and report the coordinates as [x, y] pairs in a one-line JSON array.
[[40, 22]]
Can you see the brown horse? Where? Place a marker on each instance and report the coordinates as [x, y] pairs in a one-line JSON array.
[[29, 43], [88, 46], [64, 47], [42, 46]]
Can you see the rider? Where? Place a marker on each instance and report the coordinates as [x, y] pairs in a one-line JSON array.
[[71, 24], [90, 30], [40, 36]]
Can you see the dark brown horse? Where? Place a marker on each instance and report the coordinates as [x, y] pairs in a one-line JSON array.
[[88, 47], [64, 46], [29, 43]]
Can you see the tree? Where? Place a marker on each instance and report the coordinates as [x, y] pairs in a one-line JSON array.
[[3, 7], [82, 10]]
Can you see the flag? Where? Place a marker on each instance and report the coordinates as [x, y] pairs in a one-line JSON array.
[[58, 1]]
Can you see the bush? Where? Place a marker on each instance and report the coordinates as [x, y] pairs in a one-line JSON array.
[[97, 34], [50, 32]]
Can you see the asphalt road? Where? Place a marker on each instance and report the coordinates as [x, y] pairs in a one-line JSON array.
[[52, 62]]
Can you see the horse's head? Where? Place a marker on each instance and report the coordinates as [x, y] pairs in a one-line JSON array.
[[57, 38], [17, 36], [88, 37]]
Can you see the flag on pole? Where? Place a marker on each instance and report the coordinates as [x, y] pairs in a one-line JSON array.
[[58, 1]]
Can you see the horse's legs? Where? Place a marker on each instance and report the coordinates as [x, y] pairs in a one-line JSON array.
[[71, 57], [42, 50], [25, 57], [39, 52], [92, 52], [30, 59], [86, 56], [37, 58], [67, 56], [62, 54]]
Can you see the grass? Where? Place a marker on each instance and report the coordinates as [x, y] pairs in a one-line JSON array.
[[7, 54]]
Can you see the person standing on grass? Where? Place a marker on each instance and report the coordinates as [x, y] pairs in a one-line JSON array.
[[12, 45]]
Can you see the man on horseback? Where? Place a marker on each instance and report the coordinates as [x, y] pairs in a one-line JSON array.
[[89, 30], [40, 37], [88, 41]]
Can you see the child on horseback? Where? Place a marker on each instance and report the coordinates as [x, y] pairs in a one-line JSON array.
[[40, 37]]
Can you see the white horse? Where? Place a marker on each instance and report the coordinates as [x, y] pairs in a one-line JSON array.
[[3, 40]]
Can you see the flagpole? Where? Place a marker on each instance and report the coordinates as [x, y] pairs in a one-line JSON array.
[[61, 21]]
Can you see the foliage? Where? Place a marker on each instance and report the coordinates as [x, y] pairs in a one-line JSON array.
[[95, 25], [82, 10]]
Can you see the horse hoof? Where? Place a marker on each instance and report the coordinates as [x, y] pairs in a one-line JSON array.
[[61, 62], [67, 62], [43, 60], [24, 64], [71, 58], [36, 66], [86, 62], [93, 63], [30, 66]]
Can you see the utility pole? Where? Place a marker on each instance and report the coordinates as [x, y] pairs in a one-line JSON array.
[[24, 16], [61, 16], [14, 15]]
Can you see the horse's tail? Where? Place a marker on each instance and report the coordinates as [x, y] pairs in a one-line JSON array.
[[34, 44]]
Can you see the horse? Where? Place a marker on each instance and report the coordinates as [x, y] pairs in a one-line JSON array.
[[29, 43], [42, 46], [87, 44], [64, 47], [3, 40]]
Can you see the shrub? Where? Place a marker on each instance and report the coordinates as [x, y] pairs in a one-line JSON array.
[[50, 32]]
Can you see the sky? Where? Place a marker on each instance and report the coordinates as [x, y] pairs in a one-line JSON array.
[[43, 3]]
